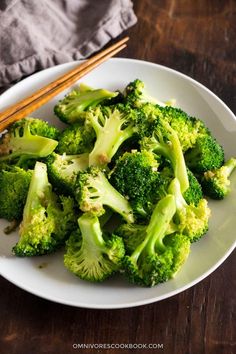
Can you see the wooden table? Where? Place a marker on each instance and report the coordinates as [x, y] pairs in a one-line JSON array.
[[197, 38]]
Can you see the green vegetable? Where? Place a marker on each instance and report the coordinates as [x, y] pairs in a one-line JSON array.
[[158, 257], [37, 127], [20, 143], [136, 176], [165, 141], [206, 155], [216, 183], [189, 220], [14, 184], [90, 253], [70, 108], [47, 220], [63, 170], [76, 139], [112, 126], [94, 192]]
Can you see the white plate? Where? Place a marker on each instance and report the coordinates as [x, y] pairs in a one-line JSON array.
[[46, 276]]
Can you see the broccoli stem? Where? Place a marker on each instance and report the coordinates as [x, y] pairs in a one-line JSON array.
[[156, 230], [112, 198], [174, 152], [175, 190], [109, 138], [38, 187], [90, 226], [230, 165]]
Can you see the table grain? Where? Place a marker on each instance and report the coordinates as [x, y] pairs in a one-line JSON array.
[[197, 38]]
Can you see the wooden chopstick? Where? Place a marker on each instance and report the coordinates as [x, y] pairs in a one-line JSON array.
[[26, 106]]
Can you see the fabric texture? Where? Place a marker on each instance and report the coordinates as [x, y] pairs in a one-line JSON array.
[[38, 34]]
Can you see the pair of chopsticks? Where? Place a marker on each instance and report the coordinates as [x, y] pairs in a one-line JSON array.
[[29, 104]]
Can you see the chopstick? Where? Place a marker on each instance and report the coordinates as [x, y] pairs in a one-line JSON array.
[[29, 104]]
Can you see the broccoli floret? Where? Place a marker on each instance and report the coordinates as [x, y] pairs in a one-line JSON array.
[[63, 170], [188, 128], [193, 194], [158, 257], [76, 139], [206, 155], [189, 219], [37, 127], [20, 143], [135, 176], [132, 235], [14, 184], [112, 127], [165, 141], [47, 221], [216, 183], [136, 95], [91, 254], [94, 191], [70, 109]]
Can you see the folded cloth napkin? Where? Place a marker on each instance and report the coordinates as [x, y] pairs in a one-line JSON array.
[[38, 34]]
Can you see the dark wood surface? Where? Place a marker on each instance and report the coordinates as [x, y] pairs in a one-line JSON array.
[[197, 38]]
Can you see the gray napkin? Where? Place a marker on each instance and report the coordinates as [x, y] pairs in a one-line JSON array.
[[36, 34]]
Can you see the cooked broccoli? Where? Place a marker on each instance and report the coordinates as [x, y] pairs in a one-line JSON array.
[[165, 141], [76, 139], [158, 257], [94, 191], [135, 176], [47, 221], [69, 109], [91, 254], [193, 194], [189, 219], [206, 155], [216, 183], [37, 127], [20, 143], [14, 185], [188, 128], [136, 94], [132, 235], [112, 127], [63, 170]]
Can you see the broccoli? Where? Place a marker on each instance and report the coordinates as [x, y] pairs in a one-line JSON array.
[[37, 127], [132, 235], [216, 183], [14, 184], [70, 109], [112, 127], [63, 170], [193, 194], [91, 254], [205, 155], [159, 256], [76, 139], [189, 219], [188, 128], [20, 143], [94, 191], [165, 141], [135, 94], [135, 176], [47, 220]]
